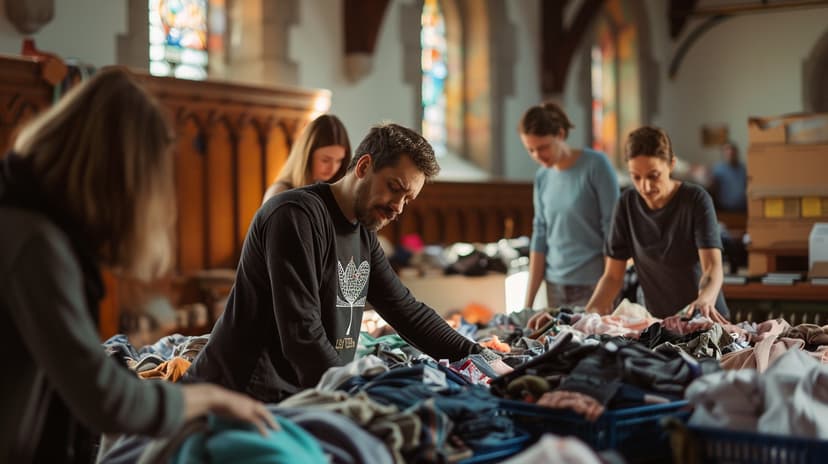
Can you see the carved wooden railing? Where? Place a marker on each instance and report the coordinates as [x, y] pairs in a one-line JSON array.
[[232, 141], [449, 212], [22, 95]]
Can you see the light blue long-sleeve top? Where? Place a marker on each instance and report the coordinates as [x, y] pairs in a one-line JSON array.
[[573, 211]]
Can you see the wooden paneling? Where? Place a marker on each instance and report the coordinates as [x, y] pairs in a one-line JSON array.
[[449, 212], [251, 169], [190, 186], [233, 140], [22, 94], [220, 198]]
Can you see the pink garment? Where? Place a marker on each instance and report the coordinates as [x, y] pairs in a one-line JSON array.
[[768, 350], [676, 325], [593, 324], [634, 316], [770, 328]]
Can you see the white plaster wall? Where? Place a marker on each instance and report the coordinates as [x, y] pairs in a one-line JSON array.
[[750, 65], [317, 44], [83, 29]]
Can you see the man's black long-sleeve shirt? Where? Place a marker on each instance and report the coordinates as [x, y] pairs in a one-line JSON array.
[[295, 310]]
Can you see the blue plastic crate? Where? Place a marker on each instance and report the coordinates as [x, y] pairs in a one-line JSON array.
[[500, 452], [721, 446], [636, 433]]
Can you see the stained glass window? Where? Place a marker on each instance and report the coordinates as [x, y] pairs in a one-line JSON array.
[[178, 38], [604, 79], [435, 71], [616, 95]]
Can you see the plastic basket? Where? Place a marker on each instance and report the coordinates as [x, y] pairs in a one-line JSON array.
[[636, 433], [722, 446], [500, 452]]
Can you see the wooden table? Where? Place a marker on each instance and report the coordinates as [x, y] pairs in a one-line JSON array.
[[798, 303], [801, 291]]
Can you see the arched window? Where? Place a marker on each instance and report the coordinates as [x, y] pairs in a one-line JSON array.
[[178, 37], [615, 80], [435, 71]]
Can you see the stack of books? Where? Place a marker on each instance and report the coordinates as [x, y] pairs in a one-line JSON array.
[[735, 279], [782, 278]]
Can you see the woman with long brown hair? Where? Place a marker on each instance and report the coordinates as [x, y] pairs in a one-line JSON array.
[[88, 183]]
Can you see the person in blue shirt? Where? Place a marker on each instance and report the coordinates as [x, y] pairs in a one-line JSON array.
[[729, 181], [574, 196]]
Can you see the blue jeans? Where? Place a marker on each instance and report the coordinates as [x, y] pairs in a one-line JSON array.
[[558, 295]]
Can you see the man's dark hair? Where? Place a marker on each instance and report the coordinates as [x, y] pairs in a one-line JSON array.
[[386, 143]]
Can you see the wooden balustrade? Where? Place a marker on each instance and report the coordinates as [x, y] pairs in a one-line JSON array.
[[449, 212]]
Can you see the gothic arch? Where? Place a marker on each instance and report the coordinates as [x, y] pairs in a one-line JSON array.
[[815, 77], [472, 111], [628, 22]]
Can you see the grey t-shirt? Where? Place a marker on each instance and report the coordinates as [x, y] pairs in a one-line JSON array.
[[664, 245]]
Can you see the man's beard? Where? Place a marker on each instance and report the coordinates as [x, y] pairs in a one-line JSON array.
[[366, 215]]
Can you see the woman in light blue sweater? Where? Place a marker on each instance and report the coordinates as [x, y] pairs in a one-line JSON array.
[[574, 196]]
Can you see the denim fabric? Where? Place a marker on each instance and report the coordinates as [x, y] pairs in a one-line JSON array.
[[166, 348], [558, 295]]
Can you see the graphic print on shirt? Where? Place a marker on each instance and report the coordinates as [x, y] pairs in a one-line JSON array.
[[353, 288]]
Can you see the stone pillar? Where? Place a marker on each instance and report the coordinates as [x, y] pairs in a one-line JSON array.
[[257, 45]]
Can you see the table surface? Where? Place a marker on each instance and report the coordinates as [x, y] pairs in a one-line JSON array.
[[800, 291]]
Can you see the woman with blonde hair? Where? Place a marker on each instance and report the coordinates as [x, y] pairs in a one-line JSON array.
[[88, 183], [321, 154]]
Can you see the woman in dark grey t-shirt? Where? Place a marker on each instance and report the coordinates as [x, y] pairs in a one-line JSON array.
[[669, 229]]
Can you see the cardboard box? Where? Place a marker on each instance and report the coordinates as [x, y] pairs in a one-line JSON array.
[[780, 233], [819, 270], [807, 128], [756, 207], [759, 264], [787, 171], [814, 207], [781, 208], [788, 208]]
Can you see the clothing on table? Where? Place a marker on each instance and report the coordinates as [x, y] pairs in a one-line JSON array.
[[304, 277], [573, 210], [171, 370], [789, 398], [341, 439], [62, 380], [664, 244]]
